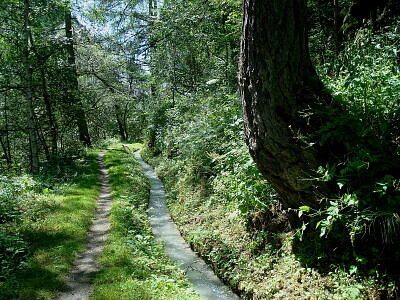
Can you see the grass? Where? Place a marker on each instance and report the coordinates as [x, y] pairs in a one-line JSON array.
[[56, 215], [44, 223], [134, 266], [259, 265]]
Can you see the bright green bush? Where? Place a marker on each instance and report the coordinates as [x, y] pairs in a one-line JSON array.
[[202, 142], [238, 180], [44, 221], [15, 204], [12, 195]]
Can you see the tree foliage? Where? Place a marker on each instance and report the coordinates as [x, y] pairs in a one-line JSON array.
[[35, 72], [165, 73], [348, 164]]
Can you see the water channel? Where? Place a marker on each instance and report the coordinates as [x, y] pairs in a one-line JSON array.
[[203, 279]]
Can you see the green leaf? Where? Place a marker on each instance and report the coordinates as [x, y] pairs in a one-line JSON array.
[[323, 231], [353, 270], [318, 224], [305, 208]]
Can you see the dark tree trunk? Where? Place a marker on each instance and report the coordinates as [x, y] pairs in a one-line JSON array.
[[6, 144], [120, 121], [42, 140], [32, 130], [280, 92], [73, 96], [336, 21], [49, 113]]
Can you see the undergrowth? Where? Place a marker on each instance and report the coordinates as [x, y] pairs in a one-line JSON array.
[[345, 250], [363, 218], [134, 265], [43, 225], [257, 264]]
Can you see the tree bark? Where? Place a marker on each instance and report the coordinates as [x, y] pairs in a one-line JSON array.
[[73, 96], [33, 140], [6, 144], [280, 92], [49, 112], [120, 121], [336, 21], [153, 13]]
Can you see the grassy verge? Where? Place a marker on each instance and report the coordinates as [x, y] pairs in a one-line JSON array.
[[45, 227], [134, 266], [258, 264]]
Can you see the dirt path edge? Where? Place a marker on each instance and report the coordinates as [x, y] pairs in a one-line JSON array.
[[78, 285]]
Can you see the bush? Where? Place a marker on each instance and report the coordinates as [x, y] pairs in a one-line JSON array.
[[365, 83], [13, 251], [201, 141], [12, 194]]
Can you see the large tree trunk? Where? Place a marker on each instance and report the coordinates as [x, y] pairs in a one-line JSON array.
[[280, 91]]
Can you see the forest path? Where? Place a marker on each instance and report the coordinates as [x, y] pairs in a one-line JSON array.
[[203, 279], [78, 284]]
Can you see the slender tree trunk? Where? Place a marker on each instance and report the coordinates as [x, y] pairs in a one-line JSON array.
[[125, 121], [174, 81], [153, 8], [42, 140], [74, 97], [153, 16], [336, 20], [120, 122], [280, 92], [49, 112], [33, 140], [6, 144]]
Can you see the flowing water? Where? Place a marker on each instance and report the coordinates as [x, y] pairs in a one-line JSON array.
[[203, 279]]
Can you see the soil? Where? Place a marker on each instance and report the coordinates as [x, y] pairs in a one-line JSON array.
[[78, 284]]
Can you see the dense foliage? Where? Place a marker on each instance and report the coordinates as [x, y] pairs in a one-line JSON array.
[[165, 73], [197, 139], [364, 79]]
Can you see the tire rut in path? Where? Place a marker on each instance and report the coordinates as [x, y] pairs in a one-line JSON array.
[[203, 279], [78, 284]]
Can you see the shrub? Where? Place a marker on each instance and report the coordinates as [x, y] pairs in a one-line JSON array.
[[365, 83], [13, 251]]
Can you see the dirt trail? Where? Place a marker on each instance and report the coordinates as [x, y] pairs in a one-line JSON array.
[[78, 282], [204, 281]]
